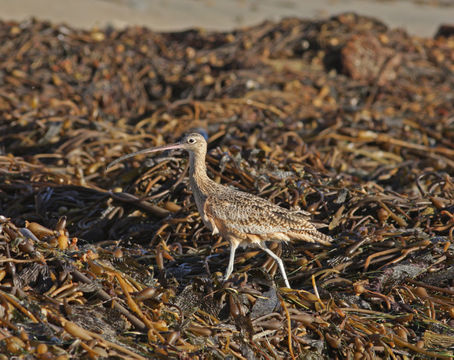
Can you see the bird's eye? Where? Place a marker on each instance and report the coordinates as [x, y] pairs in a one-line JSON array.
[[191, 140]]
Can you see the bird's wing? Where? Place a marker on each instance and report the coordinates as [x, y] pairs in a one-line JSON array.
[[250, 214]]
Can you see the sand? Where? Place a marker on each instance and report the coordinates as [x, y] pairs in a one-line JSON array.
[[169, 15]]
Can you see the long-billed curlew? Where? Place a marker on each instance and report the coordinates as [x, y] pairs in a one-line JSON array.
[[239, 217]]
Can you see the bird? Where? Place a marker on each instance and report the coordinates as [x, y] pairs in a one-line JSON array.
[[239, 217]]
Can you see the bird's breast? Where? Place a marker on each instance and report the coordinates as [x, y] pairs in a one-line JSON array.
[[200, 201], [209, 222]]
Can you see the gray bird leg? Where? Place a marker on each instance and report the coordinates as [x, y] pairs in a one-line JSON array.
[[233, 246], [279, 262]]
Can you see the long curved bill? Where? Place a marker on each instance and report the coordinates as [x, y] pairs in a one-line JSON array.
[[144, 151]]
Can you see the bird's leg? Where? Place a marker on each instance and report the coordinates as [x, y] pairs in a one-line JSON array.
[[279, 262], [233, 246]]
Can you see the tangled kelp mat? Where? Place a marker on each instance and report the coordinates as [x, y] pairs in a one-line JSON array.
[[342, 118]]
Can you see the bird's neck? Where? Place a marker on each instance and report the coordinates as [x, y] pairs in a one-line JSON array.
[[200, 182]]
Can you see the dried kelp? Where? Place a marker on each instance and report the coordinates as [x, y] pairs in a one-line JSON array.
[[342, 118]]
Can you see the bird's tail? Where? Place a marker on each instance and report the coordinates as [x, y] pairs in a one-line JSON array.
[[313, 235]]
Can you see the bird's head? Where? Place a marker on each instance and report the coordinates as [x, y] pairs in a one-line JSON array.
[[193, 143]]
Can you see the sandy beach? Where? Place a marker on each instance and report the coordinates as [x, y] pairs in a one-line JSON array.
[[417, 18]]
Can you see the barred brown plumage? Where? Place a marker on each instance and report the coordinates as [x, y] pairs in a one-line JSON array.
[[239, 217]]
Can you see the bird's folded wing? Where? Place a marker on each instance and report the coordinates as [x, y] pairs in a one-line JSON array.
[[250, 214]]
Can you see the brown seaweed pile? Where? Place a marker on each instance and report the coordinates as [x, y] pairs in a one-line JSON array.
[[343, 118]]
